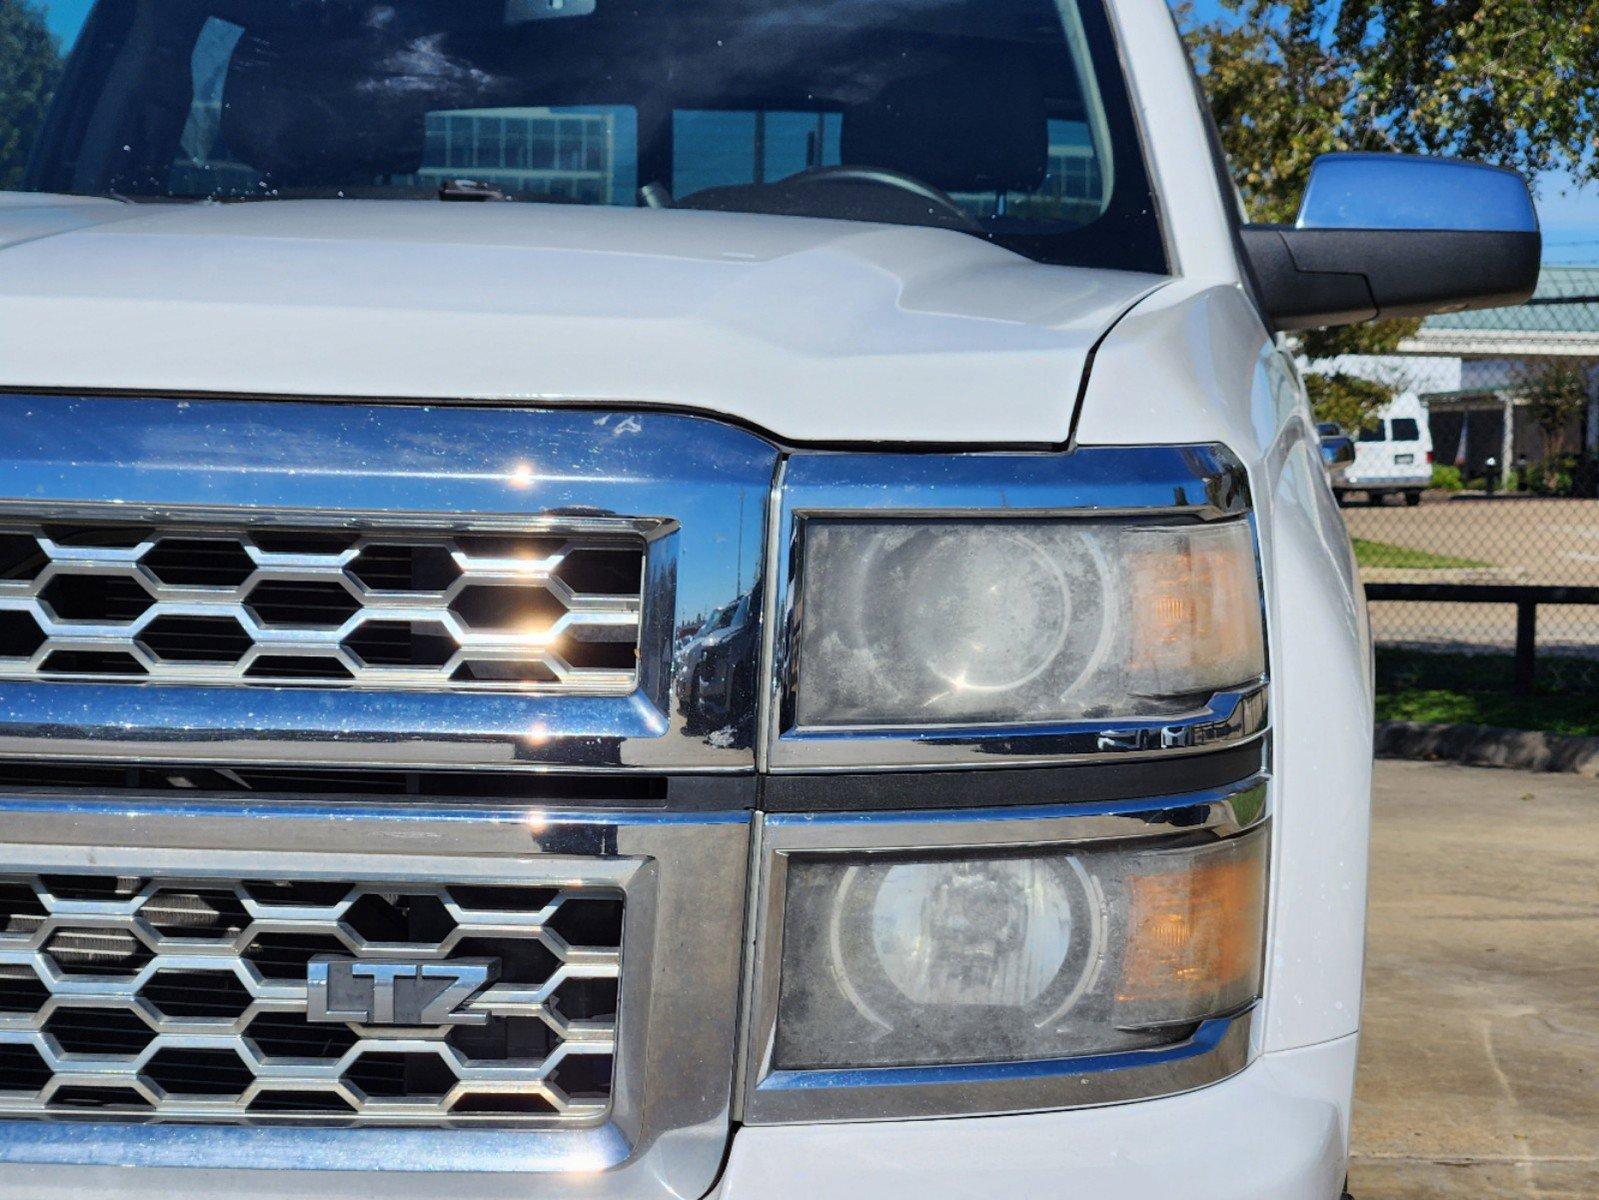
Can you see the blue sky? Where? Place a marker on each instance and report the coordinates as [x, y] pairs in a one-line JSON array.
[[1570, 214], [65, 17]]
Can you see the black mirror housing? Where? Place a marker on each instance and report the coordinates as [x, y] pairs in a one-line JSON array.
[[1309, 278], [1391, 235]]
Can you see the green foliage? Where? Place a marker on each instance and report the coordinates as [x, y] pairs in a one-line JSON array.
[[30, 64], [1374, 337], [1442, 688], [1446, 479], [1438, 706], [1400, 669], [1556, 475], [1350, 401], [1513, 82], [1557, 395], [1385, 554]]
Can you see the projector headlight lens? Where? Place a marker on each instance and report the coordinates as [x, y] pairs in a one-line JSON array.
[[902, 961], [979, 621]]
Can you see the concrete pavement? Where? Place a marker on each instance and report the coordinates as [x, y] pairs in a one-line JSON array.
[[1479, 1072]]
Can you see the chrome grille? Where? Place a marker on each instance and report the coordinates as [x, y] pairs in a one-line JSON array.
[[186, 999], [375, 608]]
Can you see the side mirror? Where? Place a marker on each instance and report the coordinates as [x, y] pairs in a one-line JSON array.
[[1391, 235], [1338, 451]]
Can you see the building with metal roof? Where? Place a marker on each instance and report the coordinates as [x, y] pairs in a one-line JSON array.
[[1560, 321], [1471, 370]]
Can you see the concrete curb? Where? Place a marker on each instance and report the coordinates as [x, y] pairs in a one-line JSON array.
[[1487, 746]]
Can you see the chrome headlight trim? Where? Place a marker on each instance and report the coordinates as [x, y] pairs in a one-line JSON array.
[[1177, 483], [1216, 1049]]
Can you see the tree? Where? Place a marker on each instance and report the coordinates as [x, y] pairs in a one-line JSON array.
[[1557, 397], [30, 64], [1513, 82], [1350, 402]]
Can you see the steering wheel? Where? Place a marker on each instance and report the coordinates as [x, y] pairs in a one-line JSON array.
[[888, 177]]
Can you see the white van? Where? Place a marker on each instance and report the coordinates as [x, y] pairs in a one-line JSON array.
[[1392, 455]]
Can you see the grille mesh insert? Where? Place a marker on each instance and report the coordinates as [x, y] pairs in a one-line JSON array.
[[186, 1000], [370, 609]]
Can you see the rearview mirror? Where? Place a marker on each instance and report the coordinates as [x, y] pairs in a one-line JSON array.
[[1390, 235]]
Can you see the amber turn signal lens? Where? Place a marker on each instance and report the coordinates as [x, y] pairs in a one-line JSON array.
[[1194, 934], [1196, 609]]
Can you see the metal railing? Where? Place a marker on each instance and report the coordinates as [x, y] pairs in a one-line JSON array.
[[1525, 598]]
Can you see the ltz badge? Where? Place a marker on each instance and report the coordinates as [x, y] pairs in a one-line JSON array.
[[390, 992]]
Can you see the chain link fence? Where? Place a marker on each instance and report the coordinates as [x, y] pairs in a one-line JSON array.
[[1473, 500]]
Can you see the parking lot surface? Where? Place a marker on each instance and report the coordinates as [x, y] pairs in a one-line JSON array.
[[1479, 1070], [1524, 540], [1517, 540]]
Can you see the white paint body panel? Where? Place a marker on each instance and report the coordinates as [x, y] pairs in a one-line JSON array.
[[1278, 1131], [814, 330], [1195, 363]]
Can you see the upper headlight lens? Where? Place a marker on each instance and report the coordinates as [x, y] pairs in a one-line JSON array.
[[944, 621]]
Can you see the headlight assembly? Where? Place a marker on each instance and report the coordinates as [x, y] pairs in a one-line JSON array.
[[1034, 954], [927, 622], [936, 939]]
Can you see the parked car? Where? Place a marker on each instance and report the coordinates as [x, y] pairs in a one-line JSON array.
[[382, 814], [1393, 454], [1337, 453], [710, 686]]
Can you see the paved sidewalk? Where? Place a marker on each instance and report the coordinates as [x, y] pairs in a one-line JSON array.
[[1479, 1069]]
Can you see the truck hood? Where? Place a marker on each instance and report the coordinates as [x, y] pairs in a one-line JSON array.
[[814, 330]]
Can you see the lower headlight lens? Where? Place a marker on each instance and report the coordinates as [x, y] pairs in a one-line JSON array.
[[932, 622], [1030, 955]]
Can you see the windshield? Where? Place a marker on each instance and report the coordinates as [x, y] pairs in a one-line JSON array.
[[1007, 119]]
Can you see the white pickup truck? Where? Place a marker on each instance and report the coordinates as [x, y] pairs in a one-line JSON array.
[[645, 600]]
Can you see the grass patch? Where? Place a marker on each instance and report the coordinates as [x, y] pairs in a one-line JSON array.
[[1474, 689], [1385, 554], [1560, 675], [1436, 706]]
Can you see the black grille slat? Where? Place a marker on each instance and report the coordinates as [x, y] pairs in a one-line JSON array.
[[91, 662], [116, 1032], [289, 1036], [22, 1068], [193, 562], [639, 789], [213, 995]]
